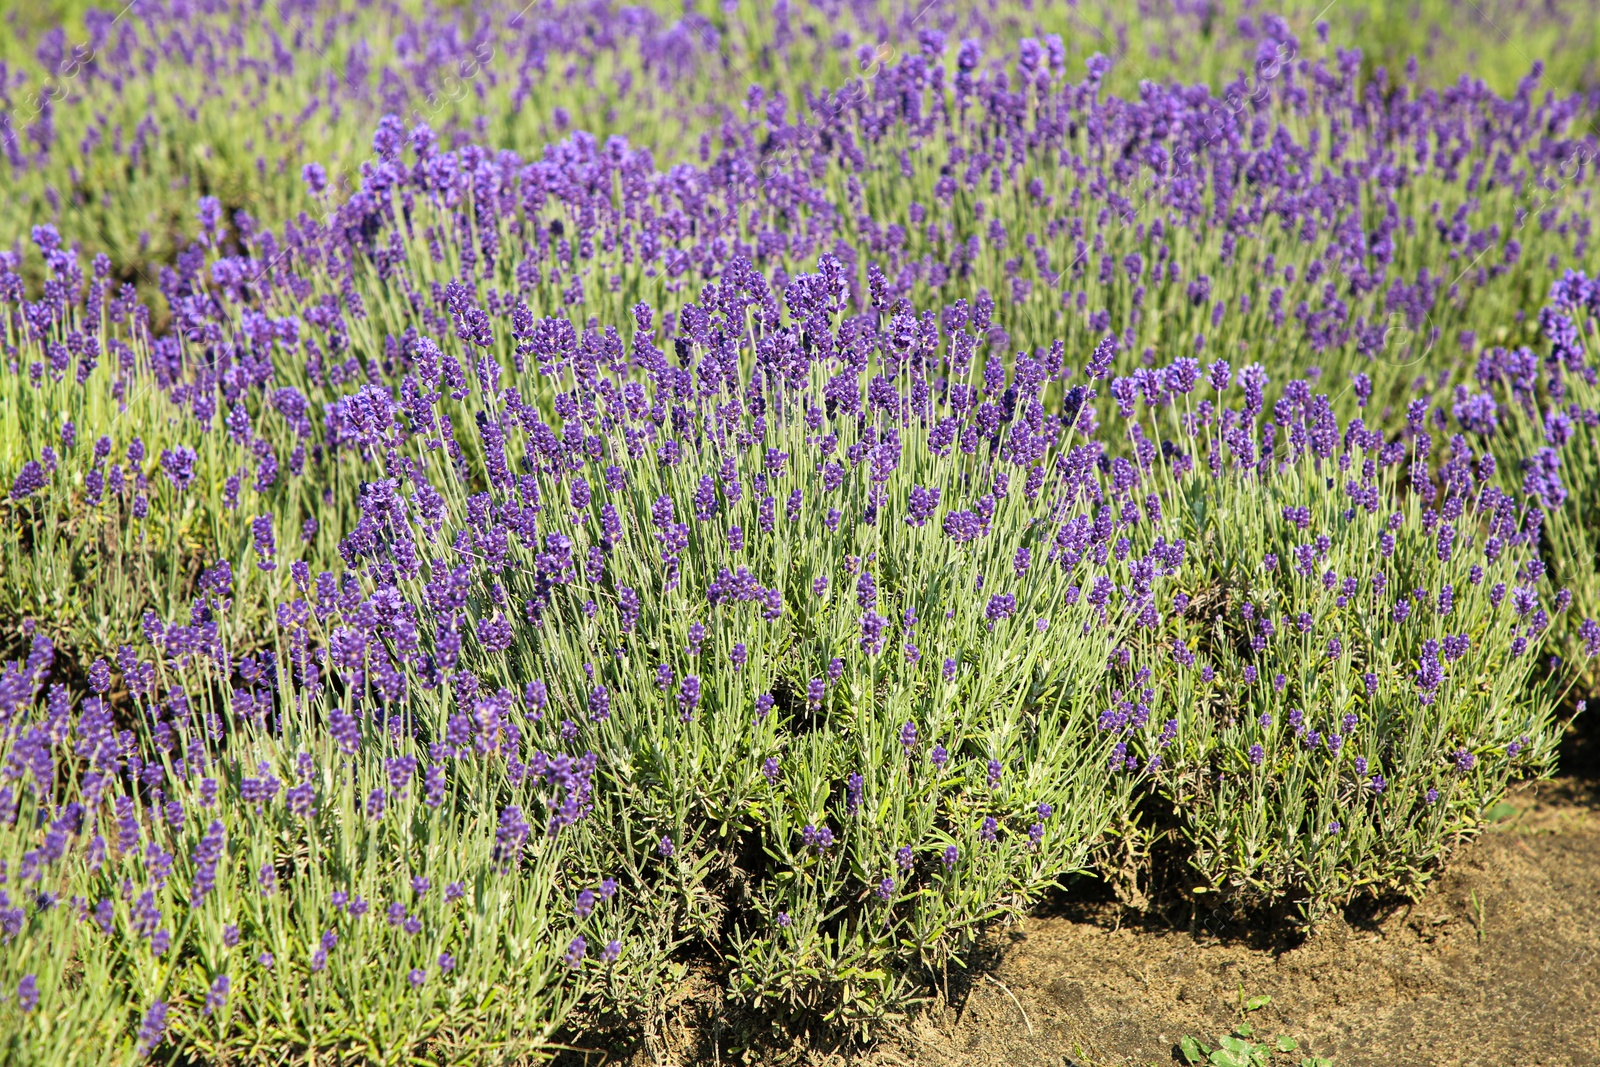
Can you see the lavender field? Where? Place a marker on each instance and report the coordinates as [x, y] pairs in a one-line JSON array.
[[514, 513]]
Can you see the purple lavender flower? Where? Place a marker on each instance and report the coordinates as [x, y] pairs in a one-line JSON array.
[[28, 993], [207, 854], [152, 1028], [599, 704], [178, 465], [921, 506], [852, 793], [688, 697], [872, 625], [29, 480], [866, 591], [962, 526], [216, 997], [1589, 630], [509, 837], [1001, 607], [908, 735], [266, 546]]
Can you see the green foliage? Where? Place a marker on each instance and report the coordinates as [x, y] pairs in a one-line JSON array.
[[1372, 688], [832, 835], [237, 122], [1542, 434], [1241, 1049], [291, 919]]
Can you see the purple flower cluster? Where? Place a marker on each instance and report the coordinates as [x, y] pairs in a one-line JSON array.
[[536, 520]]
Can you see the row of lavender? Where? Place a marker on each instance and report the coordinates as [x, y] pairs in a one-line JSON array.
[[677, 555], [111, 129], [112, 124], [1155, 221]]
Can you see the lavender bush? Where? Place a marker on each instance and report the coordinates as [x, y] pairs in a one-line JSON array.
[[261, 864], [1537, 407], [600, 229], [113, 121], [800, 555], [114, 128], [1351, 670]]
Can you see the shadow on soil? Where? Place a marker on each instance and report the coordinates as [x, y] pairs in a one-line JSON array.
[[1498, 963]]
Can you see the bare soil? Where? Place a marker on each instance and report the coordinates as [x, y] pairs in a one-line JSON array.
[[1498, 965]]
